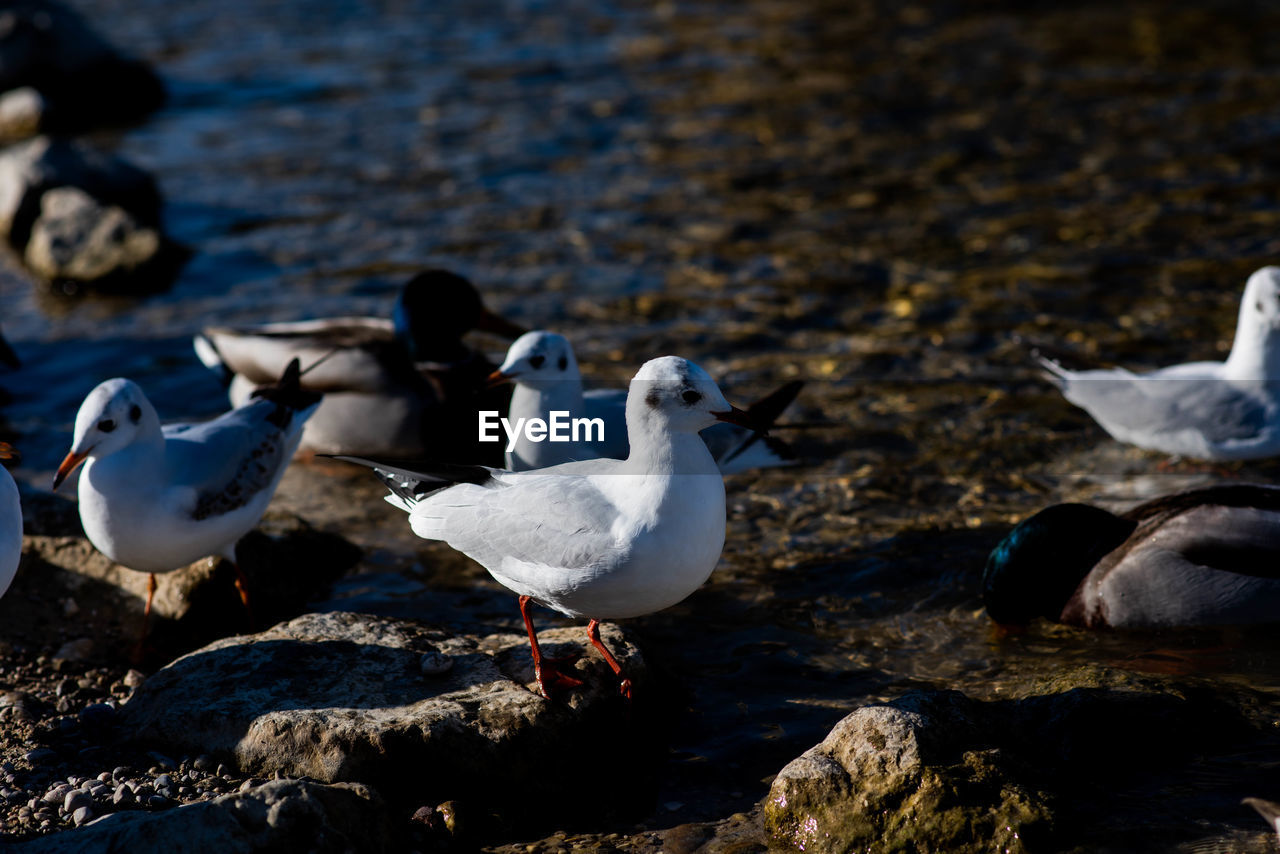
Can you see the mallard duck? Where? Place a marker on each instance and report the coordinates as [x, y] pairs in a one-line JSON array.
[[1208, 556], [1207, 410], [391, 386]]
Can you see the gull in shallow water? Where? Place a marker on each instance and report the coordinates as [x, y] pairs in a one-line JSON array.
[[10, 521], [155, 498], [413, 371], [599, 539], [546, 377], [1208, 410]]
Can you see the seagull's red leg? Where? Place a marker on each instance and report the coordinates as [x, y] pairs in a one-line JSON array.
[[139, 650], [242, 587], [548, 676], [593, 634]]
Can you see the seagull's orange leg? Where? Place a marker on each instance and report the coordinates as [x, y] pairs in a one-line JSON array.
[[242, 587], [593, 634], [548, 676]]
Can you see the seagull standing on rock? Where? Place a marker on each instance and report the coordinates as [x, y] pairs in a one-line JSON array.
[[598, 539], [1207, 410], [156, 498]]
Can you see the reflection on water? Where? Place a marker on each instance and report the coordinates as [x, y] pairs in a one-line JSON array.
[[871, 197]]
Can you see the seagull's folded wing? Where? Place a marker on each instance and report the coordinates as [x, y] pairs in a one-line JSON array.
[[519, 522], [228, 461], [1215, 408]]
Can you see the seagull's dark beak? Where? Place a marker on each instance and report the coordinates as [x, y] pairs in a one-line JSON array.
[[69, 464], [741, 418], [498, 325], [498, 378]]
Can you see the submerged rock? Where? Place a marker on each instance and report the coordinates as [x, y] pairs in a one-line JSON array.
[[283, 815], [939, 771], [343, 697], [48, 49], [77, 238]]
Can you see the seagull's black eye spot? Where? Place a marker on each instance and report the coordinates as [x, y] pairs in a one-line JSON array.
[[691, 397], [1258, 305], [536, 361], [106, 425], [563, 363], [135, 413]]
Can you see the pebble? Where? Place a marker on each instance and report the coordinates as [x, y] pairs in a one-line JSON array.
[[134, 678], [40, 754], [158, 802], [123, 796], [81, 815], [97, 715], [75, 800], [205, 763]]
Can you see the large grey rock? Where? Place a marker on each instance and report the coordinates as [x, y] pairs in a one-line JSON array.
[[77, 238], [344, 696], [937, 771], [47, 47], [283, 815]]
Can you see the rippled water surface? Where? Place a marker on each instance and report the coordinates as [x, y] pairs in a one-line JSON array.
[[886, 200]]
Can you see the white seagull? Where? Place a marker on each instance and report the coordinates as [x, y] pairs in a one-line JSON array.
[[10, 521], [1208, 410], [600, 539], [546, 377], [156, 498]]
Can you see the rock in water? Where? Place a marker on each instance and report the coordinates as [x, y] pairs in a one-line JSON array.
[[937, 771], [82, 216], [283, 815], [77, 238], [342, 696], [47, 48]]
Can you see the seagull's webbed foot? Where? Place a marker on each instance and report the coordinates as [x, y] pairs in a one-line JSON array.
[[550, 677]]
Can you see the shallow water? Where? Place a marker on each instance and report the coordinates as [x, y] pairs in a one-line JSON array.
[[875, 198]]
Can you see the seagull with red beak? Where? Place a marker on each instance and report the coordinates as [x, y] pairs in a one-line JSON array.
[[597, 539], [155, 498]]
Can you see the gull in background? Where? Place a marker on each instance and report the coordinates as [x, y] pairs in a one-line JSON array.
[[155, 498], [546, 377], [599, 539], [1207, 410]]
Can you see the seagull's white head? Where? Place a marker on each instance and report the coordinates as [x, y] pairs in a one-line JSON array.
[[1261, 302], [538, 358], [111, 417], [681, 394]]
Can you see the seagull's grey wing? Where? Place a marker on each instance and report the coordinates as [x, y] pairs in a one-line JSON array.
[[547, 520], [229, 461], [1147, 405]]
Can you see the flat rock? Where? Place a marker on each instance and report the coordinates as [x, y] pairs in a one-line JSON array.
[[286, 562], [343, 697], [282, 815], [937, 771]]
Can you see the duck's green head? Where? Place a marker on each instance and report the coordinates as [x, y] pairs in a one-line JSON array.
[[1036, 568], [435, 309]]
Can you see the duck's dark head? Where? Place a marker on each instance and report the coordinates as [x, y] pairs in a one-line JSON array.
[[435, 309], [1036, 568]]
